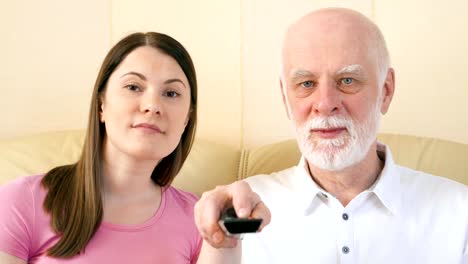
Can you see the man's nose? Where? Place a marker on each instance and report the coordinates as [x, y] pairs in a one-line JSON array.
[[328, 100]]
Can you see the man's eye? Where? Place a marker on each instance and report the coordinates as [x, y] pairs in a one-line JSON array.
[[307, 84], [347, 81]]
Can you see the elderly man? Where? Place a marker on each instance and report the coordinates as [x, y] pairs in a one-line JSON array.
[[346, 201]]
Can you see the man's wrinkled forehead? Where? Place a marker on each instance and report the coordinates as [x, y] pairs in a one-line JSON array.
[[338, 55], [328, 20]]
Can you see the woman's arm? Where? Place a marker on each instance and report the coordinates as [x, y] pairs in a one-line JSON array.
[[9, 259]]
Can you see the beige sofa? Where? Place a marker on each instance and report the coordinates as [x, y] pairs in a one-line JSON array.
[[211, 164]]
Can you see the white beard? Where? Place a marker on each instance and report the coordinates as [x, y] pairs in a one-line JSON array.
[[350, 148]]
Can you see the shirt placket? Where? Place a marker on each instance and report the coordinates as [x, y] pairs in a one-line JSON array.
[[345, 243]]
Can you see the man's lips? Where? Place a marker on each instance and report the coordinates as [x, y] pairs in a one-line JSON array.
[[328, 132], [147, 127]]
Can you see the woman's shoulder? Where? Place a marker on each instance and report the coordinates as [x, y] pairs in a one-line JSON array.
[[20, 208], [182, 198], [23, 194], [22, 186]]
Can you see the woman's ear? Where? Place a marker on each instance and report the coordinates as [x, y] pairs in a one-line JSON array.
[[188, 116], [101, 110]]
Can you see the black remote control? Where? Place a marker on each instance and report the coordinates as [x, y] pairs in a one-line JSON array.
[[233, 225]]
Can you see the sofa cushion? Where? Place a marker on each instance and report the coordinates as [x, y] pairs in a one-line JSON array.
[[38, 153], [208, 165]]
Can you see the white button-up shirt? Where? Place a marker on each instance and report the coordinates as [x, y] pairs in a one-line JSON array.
[[407, 216]]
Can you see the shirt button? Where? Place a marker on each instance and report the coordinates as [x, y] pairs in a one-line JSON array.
[[345, 216], [324, 195], [345, 249]]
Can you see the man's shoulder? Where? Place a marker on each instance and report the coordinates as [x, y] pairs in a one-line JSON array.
[[268, 183], [424, 184]]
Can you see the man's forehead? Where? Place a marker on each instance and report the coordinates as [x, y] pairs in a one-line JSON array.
[[329, 20], [341, 47]]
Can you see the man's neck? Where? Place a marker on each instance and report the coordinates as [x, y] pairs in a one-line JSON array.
[[349, 182]]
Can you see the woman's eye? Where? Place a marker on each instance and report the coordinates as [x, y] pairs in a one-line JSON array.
[[307, 84], [133, 87], [347, 81], [171, 94]]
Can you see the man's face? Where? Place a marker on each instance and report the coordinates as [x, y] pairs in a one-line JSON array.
[[330, 84]]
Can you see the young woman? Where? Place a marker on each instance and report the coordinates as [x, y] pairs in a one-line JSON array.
[[116, 205]]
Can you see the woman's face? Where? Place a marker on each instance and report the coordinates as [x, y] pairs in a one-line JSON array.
[[145, 106]]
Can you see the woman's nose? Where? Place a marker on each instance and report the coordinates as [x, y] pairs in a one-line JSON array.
[[151, 103]]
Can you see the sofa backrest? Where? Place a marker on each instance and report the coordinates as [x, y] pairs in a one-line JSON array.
[[210, 164], [439, 157]]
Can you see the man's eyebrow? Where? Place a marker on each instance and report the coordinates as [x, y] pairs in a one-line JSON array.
[[350, 69], [174, 80], [298, 75], [141, 76]]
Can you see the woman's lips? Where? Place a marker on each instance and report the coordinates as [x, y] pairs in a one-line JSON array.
[[149, 128]]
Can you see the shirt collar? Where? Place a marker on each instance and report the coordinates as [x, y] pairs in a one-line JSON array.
[[305, 188], [386, 187]]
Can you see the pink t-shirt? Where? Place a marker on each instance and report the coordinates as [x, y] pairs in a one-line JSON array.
[[170, 236]]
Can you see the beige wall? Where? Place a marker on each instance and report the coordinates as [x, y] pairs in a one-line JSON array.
[[428, 42], [51, 52]]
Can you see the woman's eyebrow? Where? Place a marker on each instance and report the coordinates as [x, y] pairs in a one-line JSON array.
[[141, 76], [174, 80]]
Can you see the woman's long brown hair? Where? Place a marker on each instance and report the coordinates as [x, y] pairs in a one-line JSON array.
[[73, 198]]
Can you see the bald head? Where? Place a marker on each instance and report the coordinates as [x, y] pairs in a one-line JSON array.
[[345, 30]]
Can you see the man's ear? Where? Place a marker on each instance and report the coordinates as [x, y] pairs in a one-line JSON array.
[[284, 96], [388, 90]]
